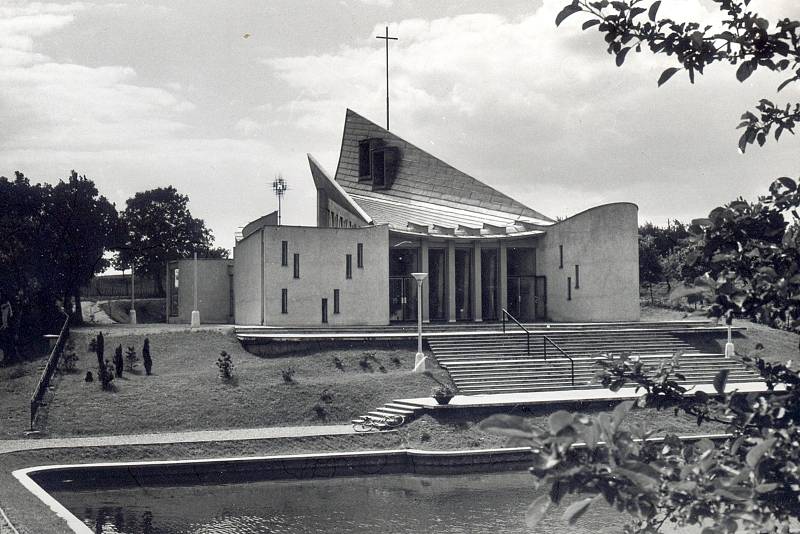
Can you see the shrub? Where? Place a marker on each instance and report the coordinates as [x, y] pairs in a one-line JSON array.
[[225, 365], [288, 375], [69, 358], [326, 396], [148, 361], [321, 411], [396, 362], [93, 345], [425, 436], [365, 364], [132, 358], [107, 376], [118, 361], [338, 363]]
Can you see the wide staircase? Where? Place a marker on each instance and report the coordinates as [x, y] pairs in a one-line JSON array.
[[558, 357]]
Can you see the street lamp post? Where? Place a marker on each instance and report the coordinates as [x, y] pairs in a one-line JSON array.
[[420, 362], [195, 311], [133, 295]]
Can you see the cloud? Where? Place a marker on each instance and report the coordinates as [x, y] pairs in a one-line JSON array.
[[534, 109], [379, 3]]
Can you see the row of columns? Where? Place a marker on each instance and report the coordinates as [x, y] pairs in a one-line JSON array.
[[477, 288]]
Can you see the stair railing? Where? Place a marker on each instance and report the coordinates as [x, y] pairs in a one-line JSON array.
[[545, 341], [527, 332]]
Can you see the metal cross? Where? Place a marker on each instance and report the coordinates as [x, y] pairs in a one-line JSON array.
[[387, 39]]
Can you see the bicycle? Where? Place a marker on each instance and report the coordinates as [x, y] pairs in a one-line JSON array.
[[370, 423]]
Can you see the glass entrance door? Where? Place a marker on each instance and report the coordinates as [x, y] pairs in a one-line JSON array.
[[402, 298], [526, 297]]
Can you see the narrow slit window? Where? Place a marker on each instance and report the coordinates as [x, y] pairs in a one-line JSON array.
[[335, 301], [569, 288], [348, 268], [324, 310], [577, 277], [297, 265], [284, 253], [360, 255], [284, 300], [560, 256]]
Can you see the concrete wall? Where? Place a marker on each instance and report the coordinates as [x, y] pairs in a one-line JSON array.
[[364, 299], [213, 290], [603, 241], [248, 279]]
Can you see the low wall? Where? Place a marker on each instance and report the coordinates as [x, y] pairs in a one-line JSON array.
[[287, 467]]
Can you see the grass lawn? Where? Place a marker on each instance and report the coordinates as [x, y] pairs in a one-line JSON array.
[[779, 345], [185, 391], [17, 383]]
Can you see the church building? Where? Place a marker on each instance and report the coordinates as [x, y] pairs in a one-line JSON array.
[[390, 210]]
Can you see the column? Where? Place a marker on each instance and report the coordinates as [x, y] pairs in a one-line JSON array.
[[451, 281], [477, 284], [503, 281], [424, 266]]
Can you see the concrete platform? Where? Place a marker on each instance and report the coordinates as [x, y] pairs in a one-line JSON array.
[[566, 396]]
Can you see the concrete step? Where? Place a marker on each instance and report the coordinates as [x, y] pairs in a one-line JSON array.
[[397, 411]]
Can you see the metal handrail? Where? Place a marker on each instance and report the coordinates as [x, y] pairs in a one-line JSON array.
[[50, 368], [545, 340], [527, 332]]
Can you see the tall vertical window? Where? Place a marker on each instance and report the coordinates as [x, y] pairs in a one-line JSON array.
[[569, 288], [335, 301], [324, 310], [284, 253], [284, 300], [577, 277], [348, 268], [297, 265], [360, 255], [560, 256]]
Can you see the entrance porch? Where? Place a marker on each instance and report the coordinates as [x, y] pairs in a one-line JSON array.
[[469, 281]]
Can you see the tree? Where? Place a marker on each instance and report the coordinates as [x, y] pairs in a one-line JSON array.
[[752, 479], [649, 265], [159, 228], [742, 39], [84, 225]]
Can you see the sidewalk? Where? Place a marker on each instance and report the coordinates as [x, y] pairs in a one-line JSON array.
[[15, 445]]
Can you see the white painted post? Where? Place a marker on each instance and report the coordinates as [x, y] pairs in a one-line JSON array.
[[729, 348], [421, 362], [195, 311], [132, 313]]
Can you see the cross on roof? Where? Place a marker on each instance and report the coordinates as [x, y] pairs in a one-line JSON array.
[[386, 38]]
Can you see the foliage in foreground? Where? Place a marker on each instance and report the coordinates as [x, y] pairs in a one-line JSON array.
[[749, 480]]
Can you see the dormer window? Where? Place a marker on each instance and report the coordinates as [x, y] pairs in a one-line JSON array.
[[377, 163], [365, 149]]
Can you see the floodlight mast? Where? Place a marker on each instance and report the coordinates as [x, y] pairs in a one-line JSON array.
[[279, 187]]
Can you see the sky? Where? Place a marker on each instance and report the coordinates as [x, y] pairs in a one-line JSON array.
[[217, 98]]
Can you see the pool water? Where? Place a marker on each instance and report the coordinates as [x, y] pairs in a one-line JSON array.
[[492, 502]]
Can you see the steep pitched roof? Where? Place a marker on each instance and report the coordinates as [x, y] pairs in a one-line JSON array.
[[334, 190], [421, 176]]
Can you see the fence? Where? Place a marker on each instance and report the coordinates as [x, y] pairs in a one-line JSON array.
[[50, 368], [117, 285]]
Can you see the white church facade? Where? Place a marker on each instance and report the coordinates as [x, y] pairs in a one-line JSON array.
[[390, 210]]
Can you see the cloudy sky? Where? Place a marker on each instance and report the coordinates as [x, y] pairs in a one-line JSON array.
[[138, 95]]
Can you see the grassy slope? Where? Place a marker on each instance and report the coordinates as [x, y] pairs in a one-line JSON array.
[[17, 383], [147, 310], [186, 393], [779, 345]]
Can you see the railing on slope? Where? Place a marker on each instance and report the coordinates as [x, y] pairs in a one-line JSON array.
[[545, 341], [527, 332], [50, 368]]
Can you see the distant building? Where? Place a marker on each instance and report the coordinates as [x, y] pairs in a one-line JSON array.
[[392, 209]]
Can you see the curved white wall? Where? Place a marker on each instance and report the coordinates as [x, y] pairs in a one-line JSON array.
[[603, 241]]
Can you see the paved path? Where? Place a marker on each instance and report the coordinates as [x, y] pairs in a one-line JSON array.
[[177, 437]]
